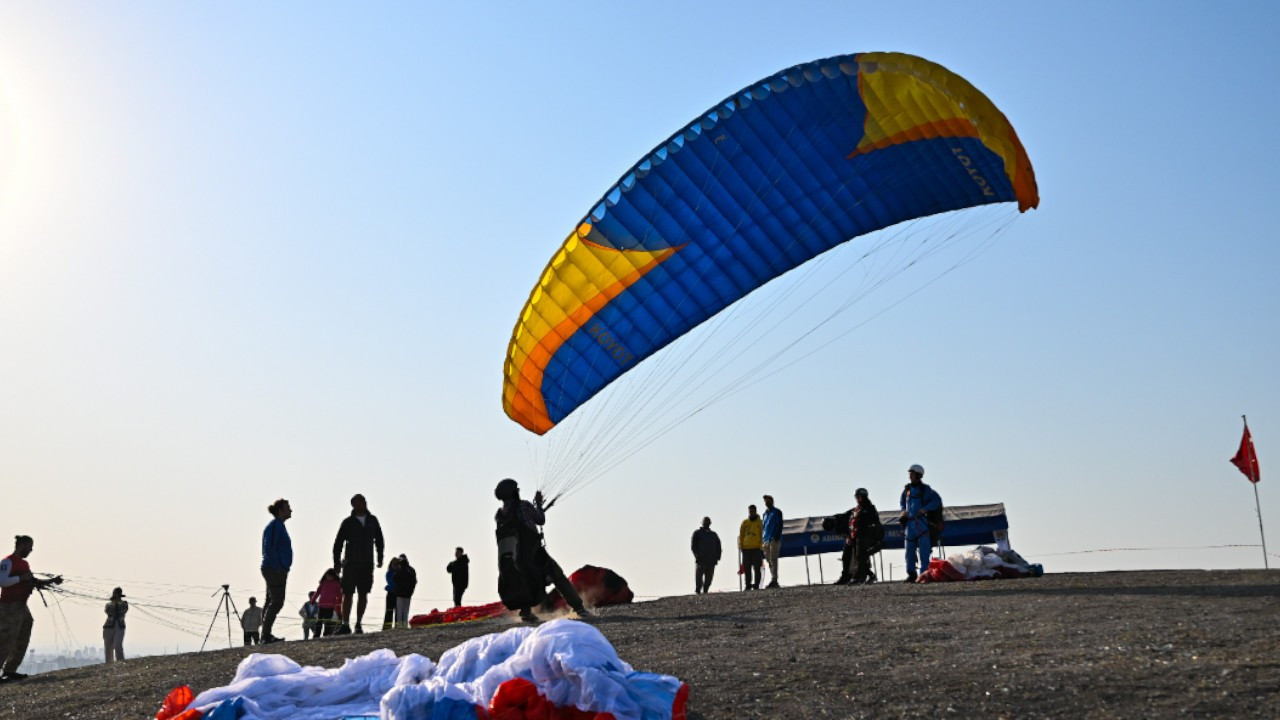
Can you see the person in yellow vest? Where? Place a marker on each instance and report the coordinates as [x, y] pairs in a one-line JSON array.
[[751, 543]]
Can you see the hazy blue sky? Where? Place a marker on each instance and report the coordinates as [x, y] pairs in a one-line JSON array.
[[262, 250]]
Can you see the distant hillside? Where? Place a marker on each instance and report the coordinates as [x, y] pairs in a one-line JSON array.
[[1126, 644]]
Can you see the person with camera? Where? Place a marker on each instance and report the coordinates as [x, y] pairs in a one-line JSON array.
[[113, 628], [865, 536], [917, 501], [706, 553], [16, 584]]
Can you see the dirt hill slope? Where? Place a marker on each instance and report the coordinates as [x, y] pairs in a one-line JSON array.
[[1131, 644]]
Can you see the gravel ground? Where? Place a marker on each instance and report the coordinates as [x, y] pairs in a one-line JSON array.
[[1124, 644]]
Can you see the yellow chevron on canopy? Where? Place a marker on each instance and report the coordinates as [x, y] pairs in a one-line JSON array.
[[909, 98], [580, 279]]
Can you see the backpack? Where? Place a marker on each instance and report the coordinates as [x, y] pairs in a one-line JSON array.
[[933, 518]]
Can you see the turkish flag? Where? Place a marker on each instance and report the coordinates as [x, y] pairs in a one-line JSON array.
[[1246, 459]]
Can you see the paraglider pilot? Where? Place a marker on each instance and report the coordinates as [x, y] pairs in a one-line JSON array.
[[524, 566], [916, 502]]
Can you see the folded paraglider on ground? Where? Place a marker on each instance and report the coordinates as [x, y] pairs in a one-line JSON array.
[[562, 669]]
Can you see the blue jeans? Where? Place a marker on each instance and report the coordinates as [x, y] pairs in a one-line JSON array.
[[917, 536]]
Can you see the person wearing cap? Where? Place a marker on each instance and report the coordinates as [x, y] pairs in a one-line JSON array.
[[750, 540], [865, 533], [16, 584], [277, 558], [771, 537], [113, 629], [916, 502], [706, 553], [250, 621]]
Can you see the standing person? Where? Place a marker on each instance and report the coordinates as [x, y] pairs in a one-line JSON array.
[[113, 628], [460, 572], [389, 618], [361, 534], [250, 621], [771, 536], [865, 536], [406, 583], [277, 558], [839, 525], [310, 614], [329, 601], [522, 552], [916, 502], [750, 541], [16, 584], [706, 553]]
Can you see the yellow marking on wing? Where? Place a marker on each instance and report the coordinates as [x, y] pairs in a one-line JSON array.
[[582, 277]]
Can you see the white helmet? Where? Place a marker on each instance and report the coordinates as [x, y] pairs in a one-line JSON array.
[[916, 469]]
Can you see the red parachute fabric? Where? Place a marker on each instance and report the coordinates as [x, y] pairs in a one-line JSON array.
[[943, 571], [465, 613], [518, 699], [596, 586], [175, 703]]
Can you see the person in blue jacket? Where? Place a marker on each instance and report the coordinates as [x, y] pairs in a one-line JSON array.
[[771, 534], [916, 502], [277, 558]]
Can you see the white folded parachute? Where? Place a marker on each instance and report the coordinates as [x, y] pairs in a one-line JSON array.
[[562, 670]]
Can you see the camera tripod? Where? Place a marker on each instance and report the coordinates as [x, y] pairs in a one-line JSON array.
[[230, 605]]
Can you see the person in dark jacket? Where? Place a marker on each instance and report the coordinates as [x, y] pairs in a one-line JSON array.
[[865, 535], [524, 565], [406, 583], [706, 553], [839, 525], [113, 629], [277, 558], [393, 570], [361, 534], [460, 570]]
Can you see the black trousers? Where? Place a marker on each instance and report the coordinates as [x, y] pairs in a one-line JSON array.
[[702, 577], [457, 594], [328, 622], [563, 585], [389, 620], [862, 560], [752, 560]]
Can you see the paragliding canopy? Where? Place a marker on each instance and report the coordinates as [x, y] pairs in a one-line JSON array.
[[761, 183]]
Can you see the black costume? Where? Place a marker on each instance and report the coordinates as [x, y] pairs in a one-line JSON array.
[[460, 570], [866, 534], [524, 566]]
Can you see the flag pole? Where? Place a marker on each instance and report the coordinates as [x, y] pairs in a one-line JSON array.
[[1265, 563], [1253, 478]]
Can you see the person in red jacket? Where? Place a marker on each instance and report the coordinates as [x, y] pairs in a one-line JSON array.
[[16, 584]]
